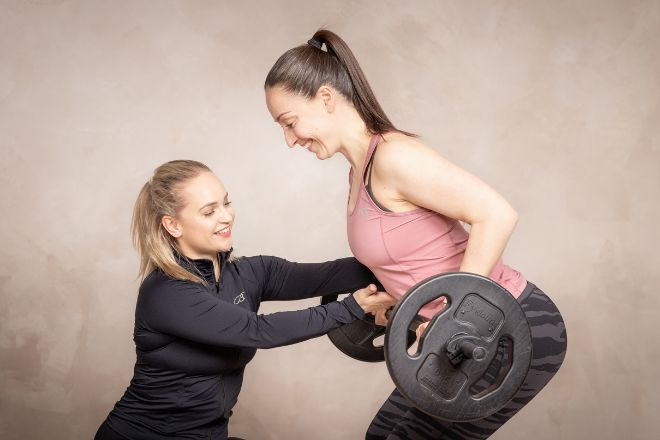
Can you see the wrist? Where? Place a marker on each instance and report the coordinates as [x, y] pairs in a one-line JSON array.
[[352, 304]]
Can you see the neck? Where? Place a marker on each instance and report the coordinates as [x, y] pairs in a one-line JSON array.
[[354, 140], [216, 269], [191, 254]]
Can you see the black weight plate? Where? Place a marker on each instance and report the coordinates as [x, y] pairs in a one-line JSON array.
[[478, 310], [357, 338]]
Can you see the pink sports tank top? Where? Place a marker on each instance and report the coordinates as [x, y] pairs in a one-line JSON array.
[[404, 248]]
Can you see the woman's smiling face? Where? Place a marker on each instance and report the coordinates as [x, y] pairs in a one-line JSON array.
[[202, 228], [306, 122]]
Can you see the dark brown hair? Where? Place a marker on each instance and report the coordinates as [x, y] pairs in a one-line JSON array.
[[304, 69]]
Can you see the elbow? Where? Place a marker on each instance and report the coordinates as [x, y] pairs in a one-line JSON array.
[[508, 219], [512, 217], [503, 218]]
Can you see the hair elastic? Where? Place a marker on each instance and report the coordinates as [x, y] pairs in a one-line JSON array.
[[316, 43]]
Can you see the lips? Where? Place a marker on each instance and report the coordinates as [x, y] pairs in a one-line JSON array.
[[224, 232]]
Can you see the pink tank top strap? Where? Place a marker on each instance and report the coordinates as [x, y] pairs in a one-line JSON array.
[[370, 152]]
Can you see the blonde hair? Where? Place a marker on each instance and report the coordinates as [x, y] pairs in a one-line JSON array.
[[161, 196]]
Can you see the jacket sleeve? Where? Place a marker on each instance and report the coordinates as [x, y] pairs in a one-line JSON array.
[[283, 280], [186, 310]]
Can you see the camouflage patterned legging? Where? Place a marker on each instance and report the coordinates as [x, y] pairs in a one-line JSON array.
[[397, 419]]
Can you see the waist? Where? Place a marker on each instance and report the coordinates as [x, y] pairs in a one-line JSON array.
[[170, 401], [185, 357], [397, 281]]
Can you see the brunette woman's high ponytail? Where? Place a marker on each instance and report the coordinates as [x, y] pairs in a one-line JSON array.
[[304, 69]]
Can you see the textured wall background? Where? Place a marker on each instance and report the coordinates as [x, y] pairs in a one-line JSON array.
[[556, 104]]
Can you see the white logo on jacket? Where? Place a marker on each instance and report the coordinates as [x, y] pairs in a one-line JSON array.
[[240, 298]]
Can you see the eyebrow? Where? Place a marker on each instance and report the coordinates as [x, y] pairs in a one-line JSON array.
[[213, 203], [281, 114]]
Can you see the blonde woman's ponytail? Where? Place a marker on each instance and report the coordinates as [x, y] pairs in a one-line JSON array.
[[158, 197]]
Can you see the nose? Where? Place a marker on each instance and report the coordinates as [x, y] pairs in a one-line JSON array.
[[290, 138], [226, 215]]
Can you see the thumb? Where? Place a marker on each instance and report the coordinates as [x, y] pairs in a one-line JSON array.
[[420, 329]]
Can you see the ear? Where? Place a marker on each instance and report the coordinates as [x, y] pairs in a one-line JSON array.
[[328, 96], [172, 226]]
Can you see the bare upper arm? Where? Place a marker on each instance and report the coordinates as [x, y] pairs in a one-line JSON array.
[[421, 176]]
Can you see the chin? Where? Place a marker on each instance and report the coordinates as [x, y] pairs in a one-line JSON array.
[[323, 155], [222, 248]]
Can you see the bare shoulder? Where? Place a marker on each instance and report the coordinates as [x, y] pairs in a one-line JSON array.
[[398, 150]]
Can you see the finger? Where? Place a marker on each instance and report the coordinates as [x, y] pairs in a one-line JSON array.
[[380, 316], [364, 291], [386, 297], [393, 299], [386, 318], [370, 290], [420, 330]]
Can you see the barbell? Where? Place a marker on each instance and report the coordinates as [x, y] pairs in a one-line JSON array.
[[446, 376]]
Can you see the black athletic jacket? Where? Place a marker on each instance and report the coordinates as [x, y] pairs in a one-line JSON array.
[[193, 340]]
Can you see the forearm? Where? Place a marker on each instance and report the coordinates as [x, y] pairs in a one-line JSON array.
[[285, 328], [290, 281], [486, 244]]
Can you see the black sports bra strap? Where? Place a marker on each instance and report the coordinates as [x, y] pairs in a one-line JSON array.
[[367, 180]]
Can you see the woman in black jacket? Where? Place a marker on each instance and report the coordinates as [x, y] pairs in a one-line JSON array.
[[196, 321]]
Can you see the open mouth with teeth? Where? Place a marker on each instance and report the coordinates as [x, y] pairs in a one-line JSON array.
[[224, 232]]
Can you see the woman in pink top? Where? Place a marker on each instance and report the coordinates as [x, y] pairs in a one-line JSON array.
[[405, 208]]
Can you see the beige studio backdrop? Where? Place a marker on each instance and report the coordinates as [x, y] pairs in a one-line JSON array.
[[554, 103]]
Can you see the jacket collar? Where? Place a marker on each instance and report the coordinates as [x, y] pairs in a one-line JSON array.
[[203, 266]]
